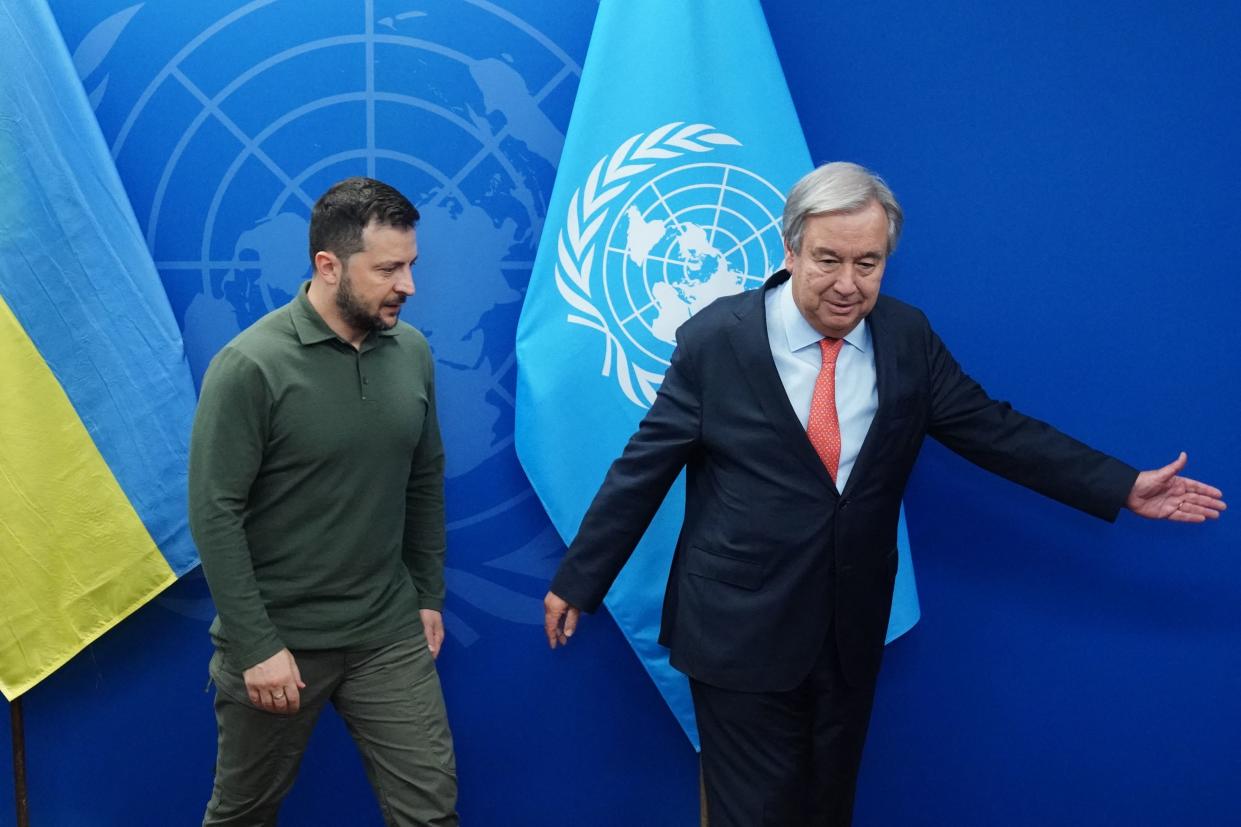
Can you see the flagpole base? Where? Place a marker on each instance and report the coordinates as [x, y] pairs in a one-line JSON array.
[[20, 798], [703, 821]]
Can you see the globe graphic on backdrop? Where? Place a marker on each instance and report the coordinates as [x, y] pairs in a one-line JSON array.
[[420, 99], [685, 238]]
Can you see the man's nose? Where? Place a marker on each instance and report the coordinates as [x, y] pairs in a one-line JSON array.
[[405, 284], [846, 283]]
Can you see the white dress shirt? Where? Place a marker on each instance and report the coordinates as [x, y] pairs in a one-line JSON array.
[[795, 349]]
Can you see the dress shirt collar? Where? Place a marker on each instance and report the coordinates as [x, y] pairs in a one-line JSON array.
[[798, 332]]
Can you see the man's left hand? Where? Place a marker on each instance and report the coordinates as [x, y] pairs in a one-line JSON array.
[[1162, 495], [433, 628]]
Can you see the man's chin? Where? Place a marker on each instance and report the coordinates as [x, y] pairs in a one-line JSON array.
[[384, 321]]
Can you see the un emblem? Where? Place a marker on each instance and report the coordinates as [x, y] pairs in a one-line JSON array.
[[233, 118], [687, 234]]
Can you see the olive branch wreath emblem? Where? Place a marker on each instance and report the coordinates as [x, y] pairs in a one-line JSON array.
[[589, 210]]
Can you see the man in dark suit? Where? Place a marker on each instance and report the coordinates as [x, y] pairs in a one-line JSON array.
[[797, 411]]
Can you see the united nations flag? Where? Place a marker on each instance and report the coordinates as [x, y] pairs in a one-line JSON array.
[[669, 193]]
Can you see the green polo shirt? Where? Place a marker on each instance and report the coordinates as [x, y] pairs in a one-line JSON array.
[[317, 487]]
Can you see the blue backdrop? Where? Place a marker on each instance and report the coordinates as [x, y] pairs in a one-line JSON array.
[[1069, 176]]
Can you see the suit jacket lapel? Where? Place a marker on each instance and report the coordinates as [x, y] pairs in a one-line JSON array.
[[887, 368], [749, 341]]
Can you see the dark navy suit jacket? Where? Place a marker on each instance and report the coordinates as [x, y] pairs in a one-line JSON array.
[[771, 556]]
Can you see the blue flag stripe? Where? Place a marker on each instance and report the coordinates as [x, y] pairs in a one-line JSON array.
[[79, 278]]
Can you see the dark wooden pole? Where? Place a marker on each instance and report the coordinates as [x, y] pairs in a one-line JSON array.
[[20, 798], [702, 797]]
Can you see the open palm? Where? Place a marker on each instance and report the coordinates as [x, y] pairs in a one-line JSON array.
[[1163, 495]]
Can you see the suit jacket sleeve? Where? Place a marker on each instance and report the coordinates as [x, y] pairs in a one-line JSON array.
[[634, 488], [1019, 448]]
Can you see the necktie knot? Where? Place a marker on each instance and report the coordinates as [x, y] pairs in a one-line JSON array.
[[830, 348]]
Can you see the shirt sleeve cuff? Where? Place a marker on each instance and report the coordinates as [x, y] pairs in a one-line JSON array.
[[426, 601]]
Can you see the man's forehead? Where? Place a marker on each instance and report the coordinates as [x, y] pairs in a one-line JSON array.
[[837, 249], [378, 237], [847, 229], [376, 227]]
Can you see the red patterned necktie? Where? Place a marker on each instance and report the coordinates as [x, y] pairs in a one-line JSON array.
[[823, 427]]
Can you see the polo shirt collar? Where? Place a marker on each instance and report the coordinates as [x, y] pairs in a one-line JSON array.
[[310, 327]]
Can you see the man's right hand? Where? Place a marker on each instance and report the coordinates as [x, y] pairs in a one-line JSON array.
[[559, 619], [274, 684]]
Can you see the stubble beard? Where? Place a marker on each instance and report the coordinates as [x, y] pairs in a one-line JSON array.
[[353, 313]]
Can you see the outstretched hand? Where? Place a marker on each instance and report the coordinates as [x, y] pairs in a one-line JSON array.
[[1162, 495]]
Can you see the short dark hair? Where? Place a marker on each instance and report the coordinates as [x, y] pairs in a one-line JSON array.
[[348, 207]]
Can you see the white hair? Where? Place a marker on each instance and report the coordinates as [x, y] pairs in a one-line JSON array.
[[838, 187]]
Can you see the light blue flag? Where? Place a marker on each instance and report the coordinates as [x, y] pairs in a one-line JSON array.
[[669, 193]]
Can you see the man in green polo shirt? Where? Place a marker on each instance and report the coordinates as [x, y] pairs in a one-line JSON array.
[[317, 503]]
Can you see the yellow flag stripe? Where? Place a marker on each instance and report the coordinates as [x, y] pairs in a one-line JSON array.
[[75, 559]]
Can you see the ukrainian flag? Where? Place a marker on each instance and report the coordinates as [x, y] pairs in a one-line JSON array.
[[96, 398]]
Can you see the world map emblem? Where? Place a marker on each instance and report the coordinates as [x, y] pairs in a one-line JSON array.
[[228, 136], [659, 230]]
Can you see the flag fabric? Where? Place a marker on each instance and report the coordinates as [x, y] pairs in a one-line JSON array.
[[669, 193], [96, 399]]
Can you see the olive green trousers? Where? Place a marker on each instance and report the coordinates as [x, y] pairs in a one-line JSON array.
[[389, 698]]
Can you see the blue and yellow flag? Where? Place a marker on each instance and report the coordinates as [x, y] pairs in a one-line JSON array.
[[96, 399], [669, 193]]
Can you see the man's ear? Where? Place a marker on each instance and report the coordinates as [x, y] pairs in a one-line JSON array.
[[327, 267], [788, 257]]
